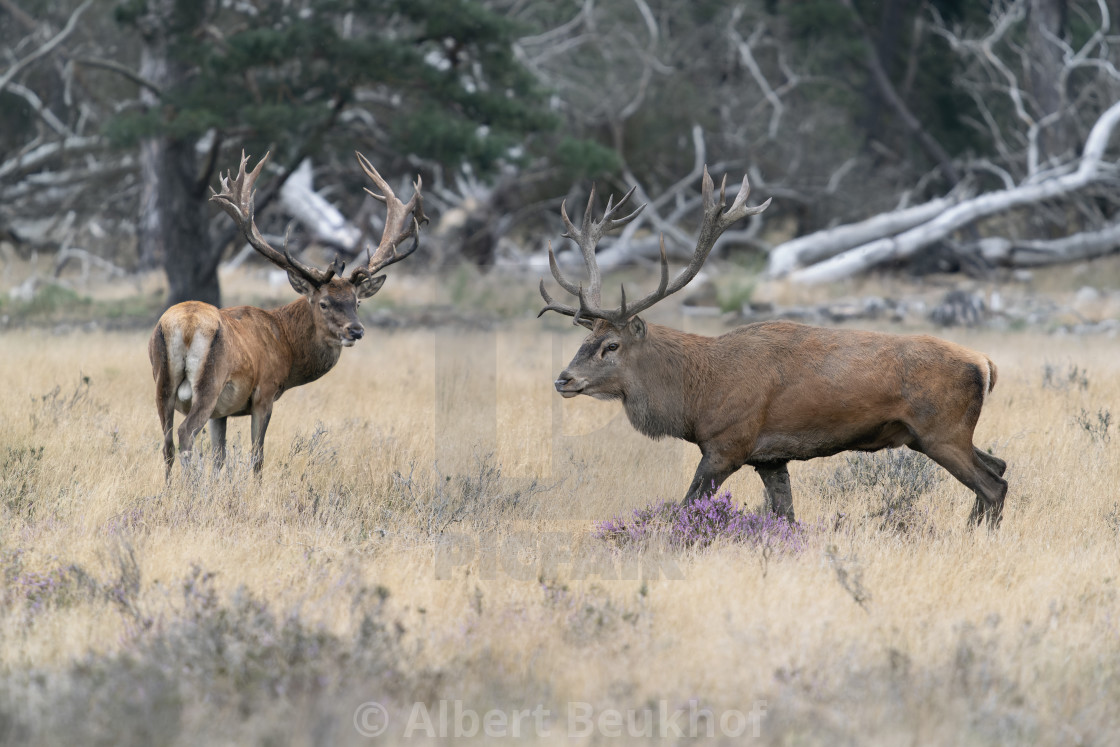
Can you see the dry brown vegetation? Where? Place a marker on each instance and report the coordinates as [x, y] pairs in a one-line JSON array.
[[423, 531]]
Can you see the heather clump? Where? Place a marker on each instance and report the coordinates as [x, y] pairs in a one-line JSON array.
[[707, 520]]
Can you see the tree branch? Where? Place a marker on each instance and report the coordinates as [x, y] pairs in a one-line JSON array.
[[47, 47], [887, 89], [119, 69]]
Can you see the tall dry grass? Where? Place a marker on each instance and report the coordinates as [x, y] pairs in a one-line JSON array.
[[422, 532]]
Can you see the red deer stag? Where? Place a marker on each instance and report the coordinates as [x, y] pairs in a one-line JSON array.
[[211, 363], [771, 392]]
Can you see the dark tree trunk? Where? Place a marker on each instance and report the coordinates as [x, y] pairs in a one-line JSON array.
[[173, 229], [190, 256], [885, 46]]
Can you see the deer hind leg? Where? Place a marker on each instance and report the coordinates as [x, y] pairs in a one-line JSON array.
[[993, 463], [779, 495], [978, 475], [165, 399], [218, 441], [202, 404], [165, 406], [204, 387]]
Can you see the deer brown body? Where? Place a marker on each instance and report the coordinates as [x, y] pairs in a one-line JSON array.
[[769, 393], [211, 364]]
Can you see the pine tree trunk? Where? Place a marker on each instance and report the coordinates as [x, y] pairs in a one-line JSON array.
[[190, 257], [173, 227]]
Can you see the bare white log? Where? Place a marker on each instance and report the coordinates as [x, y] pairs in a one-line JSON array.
[[321, 219], [1038, 252], [1090, 170], [816, 247]]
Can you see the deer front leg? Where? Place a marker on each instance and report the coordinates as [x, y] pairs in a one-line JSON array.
[[710, 474], [261, 414], [218, 441], [779, 496]]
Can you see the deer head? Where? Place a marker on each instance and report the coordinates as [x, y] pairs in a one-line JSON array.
[[617, 336], [333, 298]]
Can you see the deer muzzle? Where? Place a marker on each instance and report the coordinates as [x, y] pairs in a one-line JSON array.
[[569, 387], [352, 334]]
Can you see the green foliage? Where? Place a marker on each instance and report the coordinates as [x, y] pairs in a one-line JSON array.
[[50, 299], [129, 12], [736, 293], [444, 138], [585, 159], [57, 303], [448, 86]]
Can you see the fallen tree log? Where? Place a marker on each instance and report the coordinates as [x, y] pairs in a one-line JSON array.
[[1039, 252], [1091, 170], [820, 245]]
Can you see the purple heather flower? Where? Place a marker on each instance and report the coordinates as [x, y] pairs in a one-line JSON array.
[[701, 523]]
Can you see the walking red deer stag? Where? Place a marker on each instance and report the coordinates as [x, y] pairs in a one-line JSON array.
[[211, 363], [768, 393]]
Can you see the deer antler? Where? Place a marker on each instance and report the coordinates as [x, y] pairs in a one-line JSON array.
[[716, 220], [236, 198], [587, 238], [402, 220]]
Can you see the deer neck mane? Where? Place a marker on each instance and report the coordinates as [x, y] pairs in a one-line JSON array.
[[666, 378], [313, 353]]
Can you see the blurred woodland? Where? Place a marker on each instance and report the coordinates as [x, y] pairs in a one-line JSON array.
[[940, 135]]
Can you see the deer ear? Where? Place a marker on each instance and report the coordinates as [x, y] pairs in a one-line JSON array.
[[369, 286], [300, 284], [637, 328]]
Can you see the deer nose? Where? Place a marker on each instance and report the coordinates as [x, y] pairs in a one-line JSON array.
[[355, 331]]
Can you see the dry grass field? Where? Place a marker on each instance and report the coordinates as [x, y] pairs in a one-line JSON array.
[[423, 538]]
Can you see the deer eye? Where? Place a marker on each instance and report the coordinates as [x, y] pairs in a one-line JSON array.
[[612, 347], [323, 305]]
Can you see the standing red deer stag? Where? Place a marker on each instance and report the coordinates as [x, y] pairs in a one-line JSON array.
[[211, 363], [771, 392]]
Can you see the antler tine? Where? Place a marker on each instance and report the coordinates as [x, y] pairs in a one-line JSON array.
[[586, 238], [624, 312], [375, 266], [552, 305], [236, 199], [610, 224], [566, 284], [588, 235], [398, 226], [715, 221], [376, 178], [739, 209], [585, 229]]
